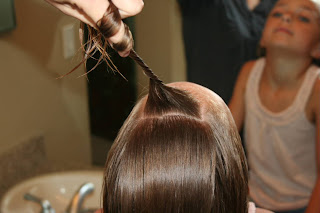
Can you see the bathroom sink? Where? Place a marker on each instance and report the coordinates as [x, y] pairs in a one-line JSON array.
[[58, 188]]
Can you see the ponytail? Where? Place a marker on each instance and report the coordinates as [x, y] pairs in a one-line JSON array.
[[161, 97]]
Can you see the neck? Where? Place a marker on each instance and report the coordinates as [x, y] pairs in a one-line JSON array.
[[285, 70]]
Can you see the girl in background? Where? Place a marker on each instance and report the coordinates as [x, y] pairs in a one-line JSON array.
[[277, 98]]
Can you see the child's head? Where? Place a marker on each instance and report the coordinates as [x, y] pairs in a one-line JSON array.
[[293, 27], [178, 151]]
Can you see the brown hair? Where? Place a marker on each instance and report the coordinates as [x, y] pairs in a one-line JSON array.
[[168, 157], [173, 153]]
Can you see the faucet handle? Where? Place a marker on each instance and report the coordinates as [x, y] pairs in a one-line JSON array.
[[45, 204], [76, 202]]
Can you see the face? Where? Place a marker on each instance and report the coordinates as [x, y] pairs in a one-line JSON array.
[[292, 25]]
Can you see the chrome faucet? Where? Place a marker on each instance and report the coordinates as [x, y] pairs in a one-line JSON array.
[[75, 205], [45, 204]]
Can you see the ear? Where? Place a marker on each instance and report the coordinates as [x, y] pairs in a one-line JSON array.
[[315, 52]]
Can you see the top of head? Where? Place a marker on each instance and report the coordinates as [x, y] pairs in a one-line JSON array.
[[206, 99]]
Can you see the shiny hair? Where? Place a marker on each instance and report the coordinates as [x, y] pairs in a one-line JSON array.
[[170, 154], [171, 157]]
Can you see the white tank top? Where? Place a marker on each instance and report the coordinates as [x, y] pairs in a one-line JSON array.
[[280, 146]]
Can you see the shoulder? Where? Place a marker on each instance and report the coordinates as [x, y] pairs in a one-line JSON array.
[[315, 97], [245, 72], [247, 67], [258, 210], [252, 209], [241, 83]]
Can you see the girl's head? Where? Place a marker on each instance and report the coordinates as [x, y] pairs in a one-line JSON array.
[[178, 151], [293, 27]]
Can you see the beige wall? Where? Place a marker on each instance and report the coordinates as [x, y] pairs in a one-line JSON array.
[[159, 41], [33, 102]]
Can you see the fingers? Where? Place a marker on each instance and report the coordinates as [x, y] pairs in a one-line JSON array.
[[128, 8], [94, 9], [90, 12], [72, 10]]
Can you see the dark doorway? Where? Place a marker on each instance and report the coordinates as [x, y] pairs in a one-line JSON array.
[[111, 98]]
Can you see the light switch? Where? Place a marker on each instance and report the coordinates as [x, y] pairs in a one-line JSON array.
[[69, 48]]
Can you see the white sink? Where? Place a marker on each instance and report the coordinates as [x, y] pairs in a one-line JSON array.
[[58, 188]]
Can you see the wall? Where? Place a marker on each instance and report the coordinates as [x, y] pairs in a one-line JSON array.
[[33, 101], [159, 42]]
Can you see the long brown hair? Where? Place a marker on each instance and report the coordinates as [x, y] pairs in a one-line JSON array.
[[171, 155]]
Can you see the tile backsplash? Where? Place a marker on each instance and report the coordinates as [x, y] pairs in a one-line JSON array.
[[21, 162]]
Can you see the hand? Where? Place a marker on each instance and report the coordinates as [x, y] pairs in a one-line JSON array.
[[91, 11], [87, 11]]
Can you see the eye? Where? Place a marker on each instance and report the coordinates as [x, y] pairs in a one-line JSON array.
[[276, 14], [304, 19]]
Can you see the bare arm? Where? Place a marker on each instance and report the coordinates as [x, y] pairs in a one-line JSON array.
[[314, 203], [236, 104]]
